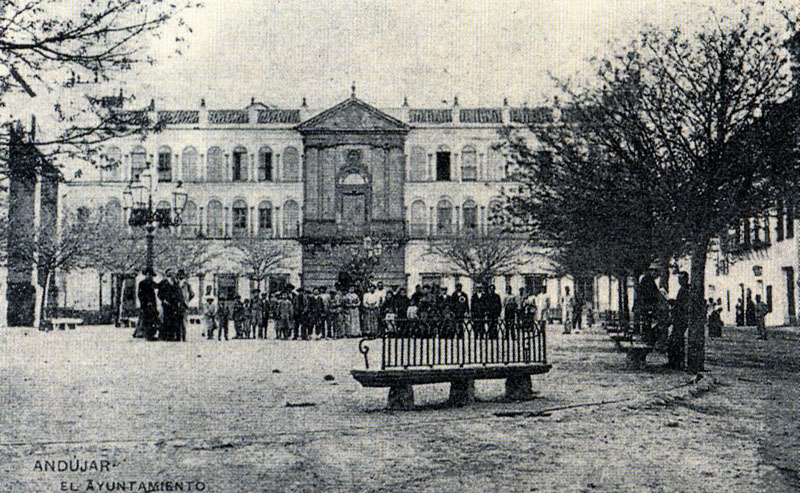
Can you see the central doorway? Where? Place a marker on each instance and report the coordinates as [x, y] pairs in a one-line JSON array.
[[354, 212]]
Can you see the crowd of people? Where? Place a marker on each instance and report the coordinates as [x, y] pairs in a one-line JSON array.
[[163, 306], [317, 313]]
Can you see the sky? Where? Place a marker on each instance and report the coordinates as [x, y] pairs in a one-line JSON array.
[[279, 51]]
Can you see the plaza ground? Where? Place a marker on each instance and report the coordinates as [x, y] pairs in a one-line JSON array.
[[245, 416]]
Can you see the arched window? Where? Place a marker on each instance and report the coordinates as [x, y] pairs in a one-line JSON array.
[[419, 164], [291, 219], [239, 164], [112, 167], [239, 216], [164, 213], [291, 161], [189, 223], [216, 164], [470, 213], [214, 220], [469, 164], [138, 162], [113, 212], [444, 216], [265, 164], [443, 163], [189, 161], [495, 165], [265, 219], [418, 219], [164, 164]]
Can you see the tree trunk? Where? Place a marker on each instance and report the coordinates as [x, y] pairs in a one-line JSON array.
[[697, 307], [42, 308], [120, 300], [622, 300]]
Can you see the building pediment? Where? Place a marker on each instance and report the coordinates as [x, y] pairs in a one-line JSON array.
[[352, 115]]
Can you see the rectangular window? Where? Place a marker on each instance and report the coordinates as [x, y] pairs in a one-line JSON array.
[[138, 164], [790, 205], [470, 218], [265, 166], [766, 228], [164, 167], [264, 221], [779, 222], [442, 166], [238, 171], [239, 221]]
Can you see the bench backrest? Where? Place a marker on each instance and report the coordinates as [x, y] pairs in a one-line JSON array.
[[439, 342]]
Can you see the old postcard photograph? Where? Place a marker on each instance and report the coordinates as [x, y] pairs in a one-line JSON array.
[[384, 246]]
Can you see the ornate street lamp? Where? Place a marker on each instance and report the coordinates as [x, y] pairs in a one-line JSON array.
[[138, 197]]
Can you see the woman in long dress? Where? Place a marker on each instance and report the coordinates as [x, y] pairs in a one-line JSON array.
[[372, 306], [351, 308]]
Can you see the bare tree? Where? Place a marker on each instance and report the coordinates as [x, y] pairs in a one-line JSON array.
[[480, 257], [64, 248], [64, 52], [258, 258]]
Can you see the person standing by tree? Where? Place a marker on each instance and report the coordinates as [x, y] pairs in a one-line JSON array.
[[148, 305], [567, 306], [647, 305], [680, 322]]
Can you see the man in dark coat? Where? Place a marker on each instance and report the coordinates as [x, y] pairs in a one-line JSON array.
[[169, 294], [148, 305], [494, 307], [477, 304], [680, 322], [459, 305], [648, 300]]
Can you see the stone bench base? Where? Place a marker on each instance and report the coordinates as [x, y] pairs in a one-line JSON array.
[[65, 323], [462, 381], [636, 355]]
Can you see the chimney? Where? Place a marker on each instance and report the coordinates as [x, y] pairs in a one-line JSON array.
[[304, 113], [203, 116]]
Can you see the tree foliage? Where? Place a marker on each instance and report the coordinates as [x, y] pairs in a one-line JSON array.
[[682, 134]]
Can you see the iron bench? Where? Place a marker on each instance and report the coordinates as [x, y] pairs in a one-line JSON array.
[[417, 352]]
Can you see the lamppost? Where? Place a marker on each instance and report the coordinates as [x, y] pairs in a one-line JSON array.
[[138, 196]]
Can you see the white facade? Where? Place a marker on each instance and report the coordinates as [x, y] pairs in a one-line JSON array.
[[244, 178]]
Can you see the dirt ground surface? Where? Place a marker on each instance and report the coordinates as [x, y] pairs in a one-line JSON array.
[[247, 416]]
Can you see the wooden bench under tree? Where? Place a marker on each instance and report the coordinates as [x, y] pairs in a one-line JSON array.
[[416, 352]]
